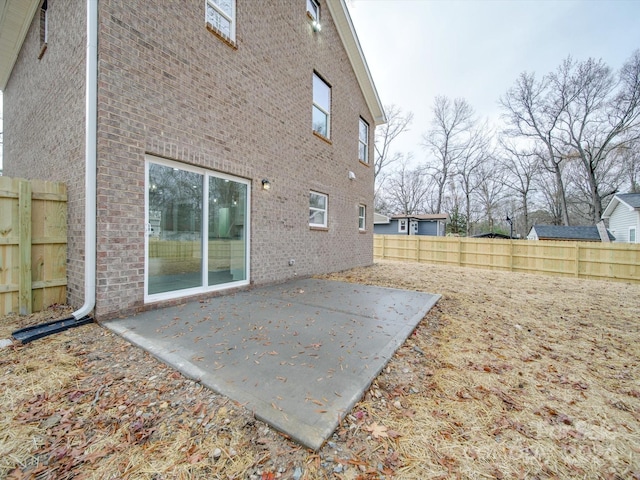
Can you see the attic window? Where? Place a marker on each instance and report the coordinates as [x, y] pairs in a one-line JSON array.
[[44, 28], [220, 17]]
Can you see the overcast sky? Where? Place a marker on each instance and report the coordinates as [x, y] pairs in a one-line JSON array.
[[475, 49]]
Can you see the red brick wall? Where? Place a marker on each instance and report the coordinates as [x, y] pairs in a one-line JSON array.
[[171, 88]]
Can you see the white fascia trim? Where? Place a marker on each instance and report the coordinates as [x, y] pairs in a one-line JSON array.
[[15, 19], [347, 32], [612, 206]]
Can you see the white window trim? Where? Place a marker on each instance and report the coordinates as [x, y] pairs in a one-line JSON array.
[[315, 13], [402, 225], [43, 9], [231, 19], [635, 234], [327, 113], [156, 297], [325, 210], [362, 226], [365, 143]]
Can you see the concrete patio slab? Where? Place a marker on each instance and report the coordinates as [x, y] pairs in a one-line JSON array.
[[299, 355]]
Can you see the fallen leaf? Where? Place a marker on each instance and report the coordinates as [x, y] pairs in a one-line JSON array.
[[377, 431]]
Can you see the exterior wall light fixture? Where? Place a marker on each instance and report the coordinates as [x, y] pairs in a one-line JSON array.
[[266, 185], [316, 26]]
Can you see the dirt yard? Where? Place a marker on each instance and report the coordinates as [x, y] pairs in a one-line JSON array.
[[509, 376]]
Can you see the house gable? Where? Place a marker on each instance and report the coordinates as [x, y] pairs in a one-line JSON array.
[[623, 213]]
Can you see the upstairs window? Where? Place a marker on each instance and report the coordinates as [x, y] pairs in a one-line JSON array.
[[313, 10], [318, 209], [363, 142], [44, 24], [221, 15], [44, 29], [321, 115]]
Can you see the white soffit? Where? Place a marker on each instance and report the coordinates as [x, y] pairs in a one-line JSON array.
[[15, 19], [342, 20]]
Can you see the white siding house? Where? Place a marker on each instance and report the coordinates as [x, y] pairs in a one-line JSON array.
[[623, 213]]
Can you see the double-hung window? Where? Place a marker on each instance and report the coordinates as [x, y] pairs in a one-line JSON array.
[[363, 142], [362, 217], [321, 115], [221, 15], [318, 205], [632, 235]]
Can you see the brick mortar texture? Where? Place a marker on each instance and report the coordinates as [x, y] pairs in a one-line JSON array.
[[44, 120], [169, 87]]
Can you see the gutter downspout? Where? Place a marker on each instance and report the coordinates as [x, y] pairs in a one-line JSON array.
[[81, 316], [91, 127]]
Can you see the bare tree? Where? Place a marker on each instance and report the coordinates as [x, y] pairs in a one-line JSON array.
[[547, 186], [470, 162], [398, 122], [406, 189], [490, 191], [446, 140], [599, 120], [629, 158], [533, 110], [520, 168]]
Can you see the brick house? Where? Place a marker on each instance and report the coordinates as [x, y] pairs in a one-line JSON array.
[[207, 145]]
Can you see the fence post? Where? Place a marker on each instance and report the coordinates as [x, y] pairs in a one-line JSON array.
[[511, 254], [383, 246], [577, 254], [418, 248], [24, 247], [459, 251]]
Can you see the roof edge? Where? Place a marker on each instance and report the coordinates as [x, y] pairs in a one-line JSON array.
[[613, 204], [15, 19], [349, 37]]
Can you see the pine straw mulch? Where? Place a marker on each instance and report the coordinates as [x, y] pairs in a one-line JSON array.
[[509, 376]]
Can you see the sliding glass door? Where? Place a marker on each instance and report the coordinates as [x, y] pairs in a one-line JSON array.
[[185, 206]]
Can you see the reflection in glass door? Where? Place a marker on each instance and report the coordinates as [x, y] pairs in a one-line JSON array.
[[178, 262], [227, 242]]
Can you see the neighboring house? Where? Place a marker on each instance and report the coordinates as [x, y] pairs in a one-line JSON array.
[[623, 213], [428, 224], [226, 143], [558, 232]]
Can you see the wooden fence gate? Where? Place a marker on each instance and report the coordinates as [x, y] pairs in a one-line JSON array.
[[33, 245]]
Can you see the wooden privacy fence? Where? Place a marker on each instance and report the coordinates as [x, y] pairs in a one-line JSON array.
[[33, 245], [604, 261]]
